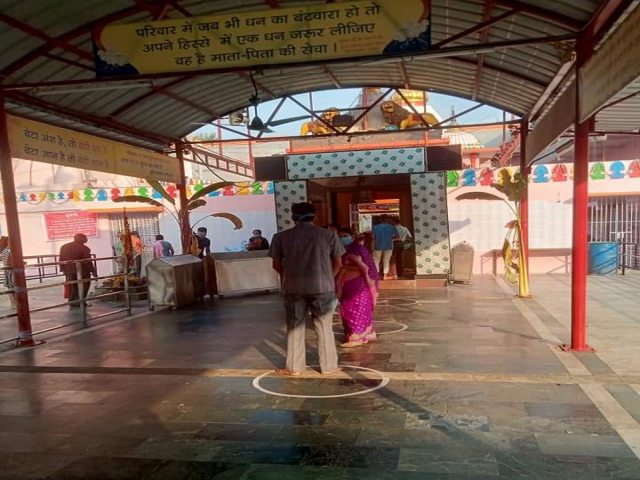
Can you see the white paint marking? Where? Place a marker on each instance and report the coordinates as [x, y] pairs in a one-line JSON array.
[[384, 380], [623, 423], [616, 415], [405, 302], [402, 328]]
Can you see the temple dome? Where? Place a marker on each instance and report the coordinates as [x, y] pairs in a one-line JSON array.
[[459, 136]]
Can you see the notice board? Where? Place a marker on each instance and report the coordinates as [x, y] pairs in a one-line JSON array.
[[64, 225]]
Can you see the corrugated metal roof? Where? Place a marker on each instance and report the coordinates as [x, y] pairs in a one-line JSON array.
[[511, 79], [623, 116]]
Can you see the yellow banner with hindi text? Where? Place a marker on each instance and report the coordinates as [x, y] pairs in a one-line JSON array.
[[317, 33], [41, 142]]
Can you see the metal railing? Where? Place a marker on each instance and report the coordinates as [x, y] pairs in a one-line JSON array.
[[76, 278], [46, 266], [629, 256]]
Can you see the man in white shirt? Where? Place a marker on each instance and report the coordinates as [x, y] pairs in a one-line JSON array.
[[398, 244]]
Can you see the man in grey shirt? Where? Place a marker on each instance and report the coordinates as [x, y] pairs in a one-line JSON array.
[[307, 258]]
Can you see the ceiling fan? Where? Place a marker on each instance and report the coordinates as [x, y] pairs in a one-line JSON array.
[[275, 123], [256, 123], [240, 117]]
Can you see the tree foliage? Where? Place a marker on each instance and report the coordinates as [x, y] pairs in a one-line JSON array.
[[196, 201]]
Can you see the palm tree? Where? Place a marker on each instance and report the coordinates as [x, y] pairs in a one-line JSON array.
[[179, 214]]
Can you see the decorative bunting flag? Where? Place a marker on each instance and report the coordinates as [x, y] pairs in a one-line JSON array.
[[469, 178], [598, 172], [559, 173], [617, 170], [486, 177], [452, 178], [545, 173], [540, 174], [103, 194]]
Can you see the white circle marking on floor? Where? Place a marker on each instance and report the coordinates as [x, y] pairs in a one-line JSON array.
[[402, 328], [384, 380], [384, 302]]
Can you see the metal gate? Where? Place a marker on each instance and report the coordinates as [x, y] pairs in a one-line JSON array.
[[146, 224], [617, 219]]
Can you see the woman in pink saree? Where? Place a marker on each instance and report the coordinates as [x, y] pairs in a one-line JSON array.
[[356, 288]]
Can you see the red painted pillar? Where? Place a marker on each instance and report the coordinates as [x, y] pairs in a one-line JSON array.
[[25, 338], [579, 253], [584, 48], [524, 201], [185, 227]]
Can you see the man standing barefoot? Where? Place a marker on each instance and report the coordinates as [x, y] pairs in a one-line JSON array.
[[77, 250], [307, 258]]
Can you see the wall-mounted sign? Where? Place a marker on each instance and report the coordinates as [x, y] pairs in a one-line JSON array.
[[64, 225], [315, 33], [377, 207], [41, 142]]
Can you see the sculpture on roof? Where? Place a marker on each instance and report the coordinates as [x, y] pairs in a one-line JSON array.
[[398, 118], [317, 127]]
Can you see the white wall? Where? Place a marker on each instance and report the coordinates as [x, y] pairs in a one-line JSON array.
[[481, 223], [256, 211], [34, 238]]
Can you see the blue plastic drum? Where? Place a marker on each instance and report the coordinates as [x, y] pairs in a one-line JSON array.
[[603, 258]]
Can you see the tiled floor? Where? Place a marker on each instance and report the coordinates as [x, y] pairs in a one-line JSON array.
[[473, 393]]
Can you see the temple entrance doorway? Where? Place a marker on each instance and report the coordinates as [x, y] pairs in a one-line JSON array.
[[360, 203]]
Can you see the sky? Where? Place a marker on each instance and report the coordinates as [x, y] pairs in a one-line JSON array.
[[344, 98]]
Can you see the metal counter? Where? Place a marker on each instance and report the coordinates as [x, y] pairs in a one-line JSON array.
[[175, 281], [244, 272]]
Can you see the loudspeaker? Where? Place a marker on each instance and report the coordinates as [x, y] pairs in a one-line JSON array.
[[238, 118], [342, 120], [271, 168], [445, 157]]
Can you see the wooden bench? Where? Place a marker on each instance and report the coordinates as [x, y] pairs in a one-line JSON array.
[[563, 255]]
